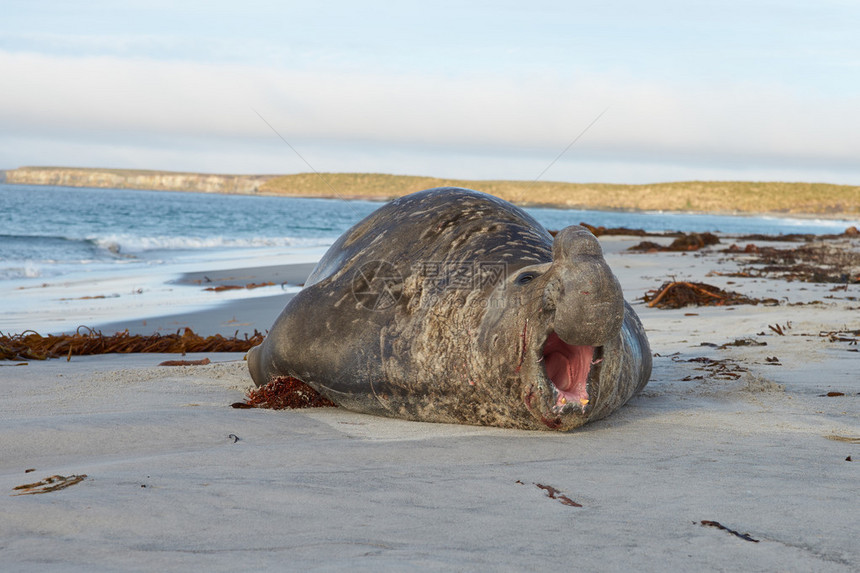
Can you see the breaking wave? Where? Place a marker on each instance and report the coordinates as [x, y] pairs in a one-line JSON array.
[[120, 244]]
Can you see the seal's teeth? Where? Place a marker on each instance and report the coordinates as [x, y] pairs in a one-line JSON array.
[[583, 401], [563, 400]]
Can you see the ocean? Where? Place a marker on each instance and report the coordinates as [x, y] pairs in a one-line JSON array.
[[62, 246]]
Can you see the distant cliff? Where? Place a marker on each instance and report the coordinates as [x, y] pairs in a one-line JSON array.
[[136, 179], [731, 197]]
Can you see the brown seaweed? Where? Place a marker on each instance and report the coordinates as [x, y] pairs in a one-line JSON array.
[[201, 362], [850, 232], [724, 369], [852, 337], [31, 345], [678, 294], [284, 392], [49, 484], [816, 263], [556, 494], [718, 525], [684, 243], [249, 286]]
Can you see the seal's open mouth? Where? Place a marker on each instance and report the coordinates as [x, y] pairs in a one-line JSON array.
[[568, 367]]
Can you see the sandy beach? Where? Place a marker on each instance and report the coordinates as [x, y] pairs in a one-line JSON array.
[[744, 436]]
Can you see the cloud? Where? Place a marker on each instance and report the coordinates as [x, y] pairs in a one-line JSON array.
[[200, 110]]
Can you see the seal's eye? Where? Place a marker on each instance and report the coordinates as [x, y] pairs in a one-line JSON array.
[[526, 278]]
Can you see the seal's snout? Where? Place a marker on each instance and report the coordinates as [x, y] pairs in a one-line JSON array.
[[588, 301], [575, 241]]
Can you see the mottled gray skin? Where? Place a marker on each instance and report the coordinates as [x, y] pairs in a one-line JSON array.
[[451, 350]]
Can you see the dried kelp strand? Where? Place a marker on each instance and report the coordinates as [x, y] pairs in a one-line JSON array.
[[31, 345]]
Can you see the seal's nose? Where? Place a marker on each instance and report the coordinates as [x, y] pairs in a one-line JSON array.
[[589, 304], [575, 241]]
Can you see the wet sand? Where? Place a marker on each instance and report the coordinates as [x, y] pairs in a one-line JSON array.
[[236, 317]]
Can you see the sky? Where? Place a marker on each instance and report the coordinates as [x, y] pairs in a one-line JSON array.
[[585, 91]]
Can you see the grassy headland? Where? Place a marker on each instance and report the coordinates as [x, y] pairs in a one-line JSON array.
[[700, 196], [745, 197]]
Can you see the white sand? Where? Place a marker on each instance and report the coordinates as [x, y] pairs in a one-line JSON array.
[[167, 489]]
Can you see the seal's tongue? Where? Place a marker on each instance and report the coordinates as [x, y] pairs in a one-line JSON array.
[[568, 367]]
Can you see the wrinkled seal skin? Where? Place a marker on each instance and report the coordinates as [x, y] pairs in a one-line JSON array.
[[460, 351]]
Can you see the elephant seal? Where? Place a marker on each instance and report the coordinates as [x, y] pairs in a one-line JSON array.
[[451, 305]]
